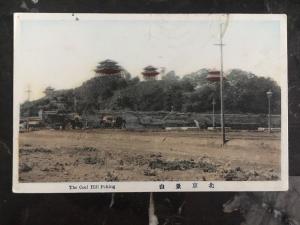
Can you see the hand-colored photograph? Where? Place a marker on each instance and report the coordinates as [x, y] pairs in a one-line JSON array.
[[120, 98]]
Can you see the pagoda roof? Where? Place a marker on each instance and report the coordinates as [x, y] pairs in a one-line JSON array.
[[214, 75], [109, 61], [108, 67], [217, 72], [150, 73], [150, 68]]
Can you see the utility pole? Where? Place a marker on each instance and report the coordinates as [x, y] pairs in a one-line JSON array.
[[213, 119], [221, 85], [74, 102], [28, 91], [269, 95]]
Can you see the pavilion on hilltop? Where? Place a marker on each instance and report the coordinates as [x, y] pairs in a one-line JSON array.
[[150, 73], [108, 68]]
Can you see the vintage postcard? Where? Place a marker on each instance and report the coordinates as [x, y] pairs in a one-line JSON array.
[[150, 102]]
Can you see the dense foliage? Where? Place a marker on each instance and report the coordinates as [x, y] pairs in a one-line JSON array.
[[243, 93]]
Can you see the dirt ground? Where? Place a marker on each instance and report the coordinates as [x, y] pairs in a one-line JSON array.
[[119, 155]]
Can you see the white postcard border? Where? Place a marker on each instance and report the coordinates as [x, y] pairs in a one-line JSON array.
[[154, 186]]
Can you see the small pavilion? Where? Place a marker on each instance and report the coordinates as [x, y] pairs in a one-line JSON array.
[[150, 73], [108, 68], [214, 75]]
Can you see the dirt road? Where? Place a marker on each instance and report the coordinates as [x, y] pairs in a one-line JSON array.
[[111, 155]]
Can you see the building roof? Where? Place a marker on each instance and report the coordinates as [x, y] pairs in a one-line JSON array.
[[108, 67], [150, 68], [150, 71]]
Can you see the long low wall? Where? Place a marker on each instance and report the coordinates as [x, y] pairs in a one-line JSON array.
[[161, 119]]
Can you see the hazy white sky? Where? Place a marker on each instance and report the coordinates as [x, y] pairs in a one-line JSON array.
[[63, 53]]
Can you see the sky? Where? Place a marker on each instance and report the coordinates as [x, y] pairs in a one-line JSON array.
[[64, 53]]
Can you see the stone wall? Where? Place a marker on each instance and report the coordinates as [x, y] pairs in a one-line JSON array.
[[161, 119]]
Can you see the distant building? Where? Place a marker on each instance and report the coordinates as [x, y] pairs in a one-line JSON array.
[[49, 91], [150, 73], [108, 68], [213, 75]]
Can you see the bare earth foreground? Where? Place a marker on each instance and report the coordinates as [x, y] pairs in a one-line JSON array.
[[119, 155]]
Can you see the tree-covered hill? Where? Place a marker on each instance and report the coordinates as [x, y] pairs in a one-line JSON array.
[[244, 92]]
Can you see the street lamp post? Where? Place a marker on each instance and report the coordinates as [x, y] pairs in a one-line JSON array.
[[213, 119], [269, 95]]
